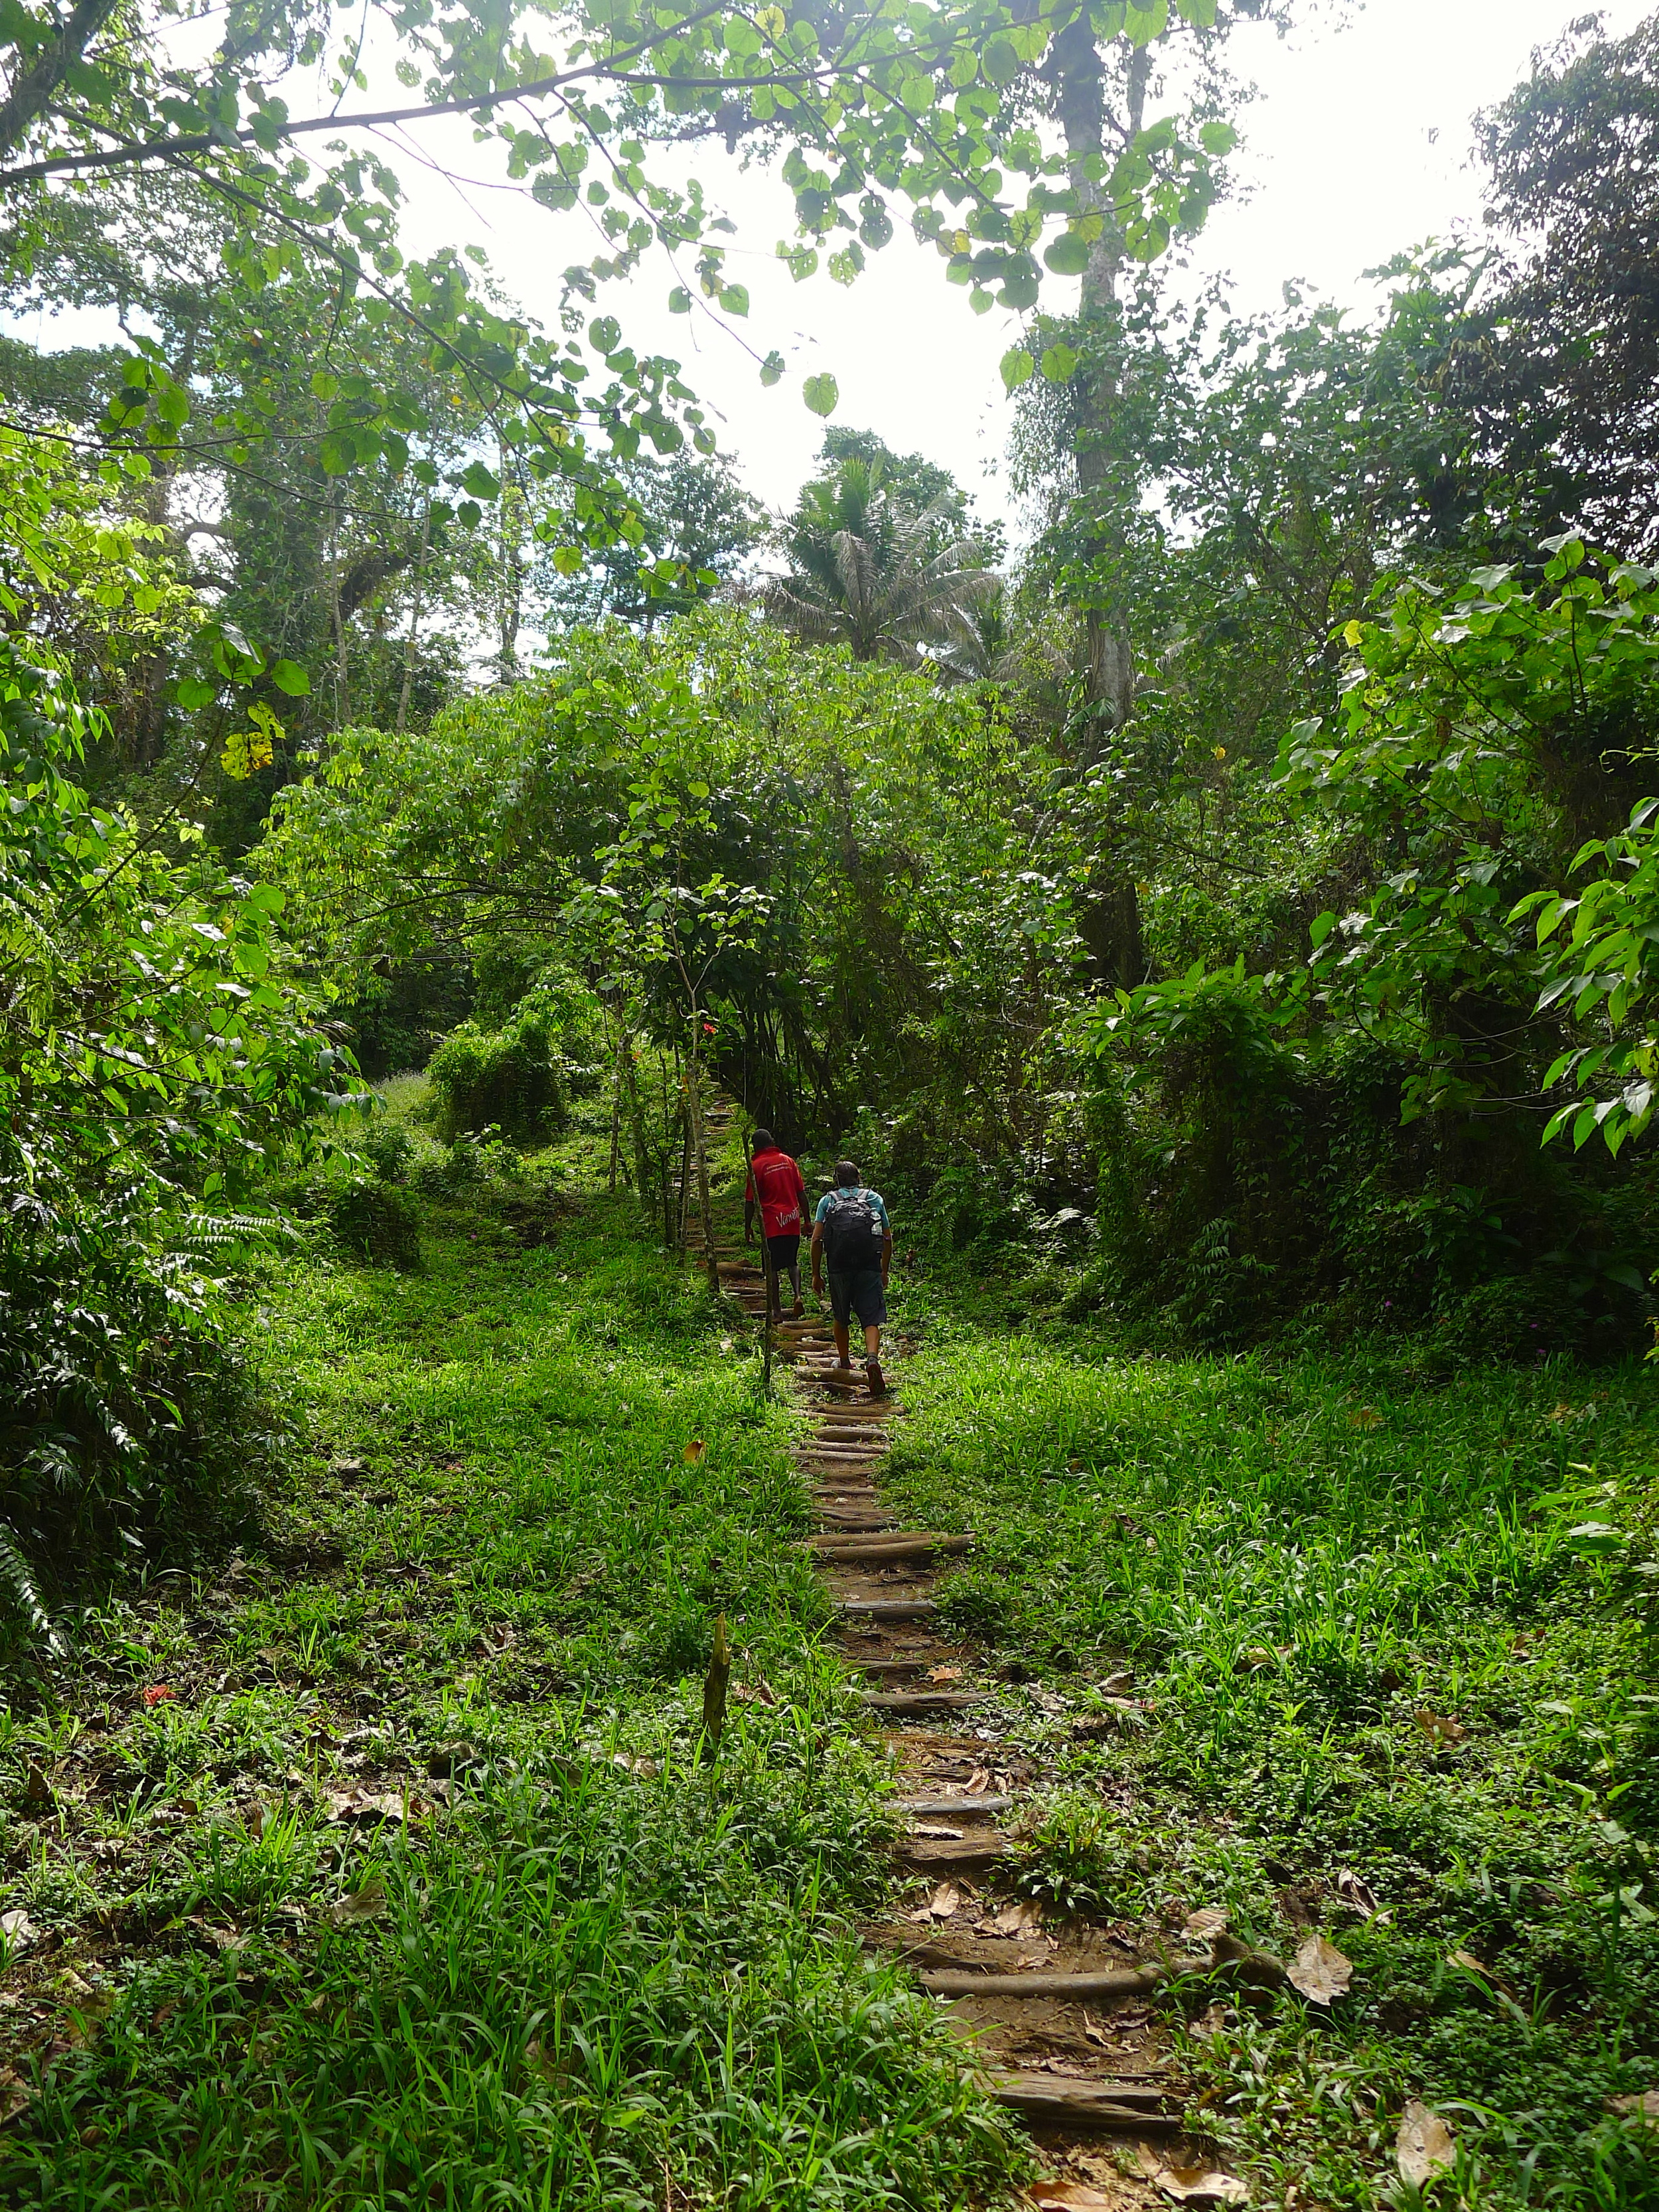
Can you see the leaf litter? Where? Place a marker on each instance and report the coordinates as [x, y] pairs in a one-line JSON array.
[[1191, 2184], [1424, 2146], [1320, 1972]]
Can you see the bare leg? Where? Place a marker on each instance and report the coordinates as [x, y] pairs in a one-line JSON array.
[[844, 1344], [872, 1340]]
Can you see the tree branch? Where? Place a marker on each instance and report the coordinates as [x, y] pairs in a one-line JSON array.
[[32, 91], [110, 157]]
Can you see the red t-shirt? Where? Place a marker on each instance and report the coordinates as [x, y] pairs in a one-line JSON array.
[[782, 1193]]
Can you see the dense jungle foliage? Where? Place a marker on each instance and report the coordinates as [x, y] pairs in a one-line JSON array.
[[1246, 889], [1221, 912]]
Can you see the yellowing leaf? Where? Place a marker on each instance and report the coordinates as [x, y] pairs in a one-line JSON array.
[[247, 751], [695, 1452], [1353, 633]]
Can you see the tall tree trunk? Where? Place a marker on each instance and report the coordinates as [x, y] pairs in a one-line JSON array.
[[642, 1157], [36, 89], [1110, 922], [1078, 78], [700, 1151], [415, 627], [509, 542], [342, 671]]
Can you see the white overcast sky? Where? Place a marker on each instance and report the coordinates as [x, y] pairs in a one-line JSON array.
[[1358, 148]]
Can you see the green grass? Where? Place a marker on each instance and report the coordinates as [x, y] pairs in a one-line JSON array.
[[562, 1961], [1296, 1560]]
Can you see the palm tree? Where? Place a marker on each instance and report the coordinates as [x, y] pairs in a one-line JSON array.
[[873, 575]]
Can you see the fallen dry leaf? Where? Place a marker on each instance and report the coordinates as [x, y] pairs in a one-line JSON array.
[[1093, 2030], [1440, 1728], [1210, 2022], [1470, 1964], [1209, 1920], [1071, 2196], [979, 1782], [944, 1673], [946, 1901], [1023, 1918], [1645, 2108], [762, 1695], [1357, 1894], [37, 1790], [15, 2095], [695, 1452], [17, 1928], [364, 1805], [1423, 2147], [631, 1763], [1191, 2184], [1366, 1417], [364, 1903], [1320, 1971]]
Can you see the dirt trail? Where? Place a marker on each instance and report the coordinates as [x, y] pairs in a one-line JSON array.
[[1054, 2012]]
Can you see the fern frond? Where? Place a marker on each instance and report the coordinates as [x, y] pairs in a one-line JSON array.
[[17, 1583]]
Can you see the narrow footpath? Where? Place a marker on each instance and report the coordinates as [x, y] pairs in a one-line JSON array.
[[1054, 2012]]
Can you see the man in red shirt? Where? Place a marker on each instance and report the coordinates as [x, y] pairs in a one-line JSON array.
[[775, 1185]]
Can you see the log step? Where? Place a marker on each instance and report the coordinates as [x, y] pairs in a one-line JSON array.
[[906, 1545], [1112, 1986], [925, 1855], [920, 1701], [1103, 2104], [967, 1808], [886, 1608]]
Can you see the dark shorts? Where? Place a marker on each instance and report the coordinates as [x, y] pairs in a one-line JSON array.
[[785, 1251], [864, 1294]]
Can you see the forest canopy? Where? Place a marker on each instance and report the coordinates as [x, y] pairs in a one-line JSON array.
[[1256, 866], [1202, 920]]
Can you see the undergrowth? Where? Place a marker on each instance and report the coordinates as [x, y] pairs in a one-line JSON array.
[[1385, 1663], [382, 1868]]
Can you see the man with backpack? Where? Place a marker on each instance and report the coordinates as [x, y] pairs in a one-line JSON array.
[[775, 1185], [852, 1232]]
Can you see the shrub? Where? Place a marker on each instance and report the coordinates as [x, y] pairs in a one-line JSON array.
[[388, 1150], [466, 1166], [511, 1080], [158, 1050], [375, 1221]]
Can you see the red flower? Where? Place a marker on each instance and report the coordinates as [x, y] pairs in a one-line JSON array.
[[160, 1693]]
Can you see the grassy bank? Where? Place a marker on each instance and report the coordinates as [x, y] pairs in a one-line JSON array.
[[1391, 1640], [377, 1869]]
